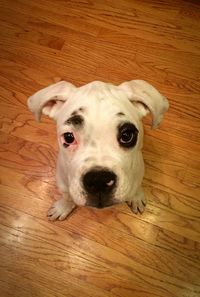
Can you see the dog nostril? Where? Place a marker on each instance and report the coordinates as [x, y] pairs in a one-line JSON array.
[[99, 181]]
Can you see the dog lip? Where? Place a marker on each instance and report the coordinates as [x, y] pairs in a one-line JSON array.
[[99, 206], [100, 201]]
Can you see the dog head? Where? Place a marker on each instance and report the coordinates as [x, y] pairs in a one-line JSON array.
[[100, 135]]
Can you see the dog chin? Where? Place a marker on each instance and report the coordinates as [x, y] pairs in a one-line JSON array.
[[100, 204]]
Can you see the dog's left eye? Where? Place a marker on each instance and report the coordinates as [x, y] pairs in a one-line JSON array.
[[68, 138], [127, 136]]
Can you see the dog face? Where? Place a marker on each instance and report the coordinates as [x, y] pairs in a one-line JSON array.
[[100, 136]]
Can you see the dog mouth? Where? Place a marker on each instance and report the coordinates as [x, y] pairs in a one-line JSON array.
[[100, 201]]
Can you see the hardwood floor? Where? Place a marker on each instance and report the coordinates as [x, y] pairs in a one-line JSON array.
[[109, 253]]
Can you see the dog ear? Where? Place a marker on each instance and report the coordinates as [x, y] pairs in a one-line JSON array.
[[146, 98], [50, 99]]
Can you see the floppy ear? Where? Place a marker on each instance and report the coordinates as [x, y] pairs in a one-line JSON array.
[[50, 99], [146, 98]]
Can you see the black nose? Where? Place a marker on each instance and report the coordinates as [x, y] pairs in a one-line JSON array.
[[99, 181]]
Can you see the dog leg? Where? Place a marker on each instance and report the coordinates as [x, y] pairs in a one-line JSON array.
[[138, 202], [61, 208]]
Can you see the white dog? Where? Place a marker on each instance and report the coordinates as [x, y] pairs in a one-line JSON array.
[[100, 138]]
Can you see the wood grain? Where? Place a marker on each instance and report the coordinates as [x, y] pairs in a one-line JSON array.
[[112, 252]]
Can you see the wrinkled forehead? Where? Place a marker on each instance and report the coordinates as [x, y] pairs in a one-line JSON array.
[[100, 102]]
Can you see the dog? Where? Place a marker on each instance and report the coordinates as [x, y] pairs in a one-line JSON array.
[[100, 138]]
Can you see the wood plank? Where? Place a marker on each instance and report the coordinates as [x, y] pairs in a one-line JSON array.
[[29, 274], [177, 203], [178, 244], [18, 285], [54, 17], [100, 254]]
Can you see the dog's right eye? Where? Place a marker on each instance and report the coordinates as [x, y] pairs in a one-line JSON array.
[[68, 138]]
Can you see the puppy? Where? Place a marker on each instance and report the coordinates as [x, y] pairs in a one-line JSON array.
[[100, 138]]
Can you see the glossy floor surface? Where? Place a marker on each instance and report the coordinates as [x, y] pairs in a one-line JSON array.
[[110, 253]]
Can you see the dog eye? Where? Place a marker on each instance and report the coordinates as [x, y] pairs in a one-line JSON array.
[[68, 138], [127, 136]]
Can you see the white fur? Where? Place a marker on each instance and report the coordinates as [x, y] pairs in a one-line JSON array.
[[97, 141]]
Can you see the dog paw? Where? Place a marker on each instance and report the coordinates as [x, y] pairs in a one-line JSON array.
[[138, 203], [60, 209]]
